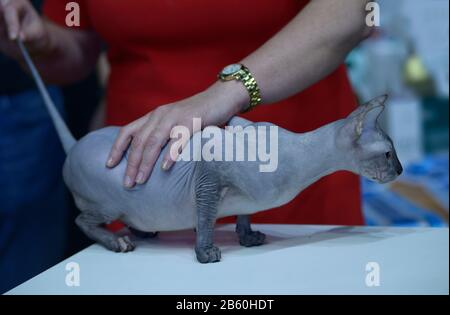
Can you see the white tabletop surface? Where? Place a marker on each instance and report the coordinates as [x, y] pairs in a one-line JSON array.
[[297, 259]]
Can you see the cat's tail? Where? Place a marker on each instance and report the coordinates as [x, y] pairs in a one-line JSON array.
[[66, 137]]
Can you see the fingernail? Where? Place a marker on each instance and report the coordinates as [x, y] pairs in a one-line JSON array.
[[165, 165], [128, 182], [110, 162], [140, 178]]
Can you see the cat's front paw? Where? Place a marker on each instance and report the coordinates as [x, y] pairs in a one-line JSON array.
[[252, 238], [209, 254]]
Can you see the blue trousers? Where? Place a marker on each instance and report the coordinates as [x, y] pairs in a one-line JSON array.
[[33, 205]]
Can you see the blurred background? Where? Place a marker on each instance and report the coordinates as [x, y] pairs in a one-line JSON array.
[[407, 57]]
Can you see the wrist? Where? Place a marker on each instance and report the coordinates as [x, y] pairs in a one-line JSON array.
[[231, 95]]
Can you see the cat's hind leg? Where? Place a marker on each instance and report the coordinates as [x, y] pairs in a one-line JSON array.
[[91, 223], [248, 237]]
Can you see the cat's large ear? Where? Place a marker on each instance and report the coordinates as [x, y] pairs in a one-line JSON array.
[[377, 101], [362, 121], [368, 114]]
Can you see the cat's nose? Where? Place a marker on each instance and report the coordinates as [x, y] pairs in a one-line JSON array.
[[399, 169]]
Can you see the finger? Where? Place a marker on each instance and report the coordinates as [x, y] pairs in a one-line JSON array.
[[135, 156], [175, 147], [11, 16], [123, 141], [146, 124], [180, 136], [155, 142], [6, 46], [119, 147], [137, 149]]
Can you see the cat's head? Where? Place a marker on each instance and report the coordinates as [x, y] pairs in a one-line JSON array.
[[372, 150]]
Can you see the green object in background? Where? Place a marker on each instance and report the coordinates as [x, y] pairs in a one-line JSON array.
[[435, 124], [417, 77]]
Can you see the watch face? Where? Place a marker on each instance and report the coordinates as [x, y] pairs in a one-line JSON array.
[[231, 69]]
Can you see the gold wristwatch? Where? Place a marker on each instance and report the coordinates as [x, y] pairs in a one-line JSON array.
[[241, 73]]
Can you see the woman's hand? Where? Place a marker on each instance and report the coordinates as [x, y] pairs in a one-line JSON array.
[[147, 135], [56, 50], [19, 20]]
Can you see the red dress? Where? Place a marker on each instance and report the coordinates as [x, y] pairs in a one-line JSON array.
[[164, 51]]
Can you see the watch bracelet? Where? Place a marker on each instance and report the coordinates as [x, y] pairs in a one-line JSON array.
[[252, 87]]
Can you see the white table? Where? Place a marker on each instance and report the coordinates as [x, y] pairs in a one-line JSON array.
[[296, 260]]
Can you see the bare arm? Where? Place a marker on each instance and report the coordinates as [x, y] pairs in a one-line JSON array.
[[311, 46]]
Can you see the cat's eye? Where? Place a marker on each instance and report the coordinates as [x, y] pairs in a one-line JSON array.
[[388, 155]]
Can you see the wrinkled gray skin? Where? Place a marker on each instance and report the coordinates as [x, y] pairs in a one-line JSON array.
[[194, 194]]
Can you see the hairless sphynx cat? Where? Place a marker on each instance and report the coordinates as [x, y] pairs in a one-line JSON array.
[[193, 194]]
